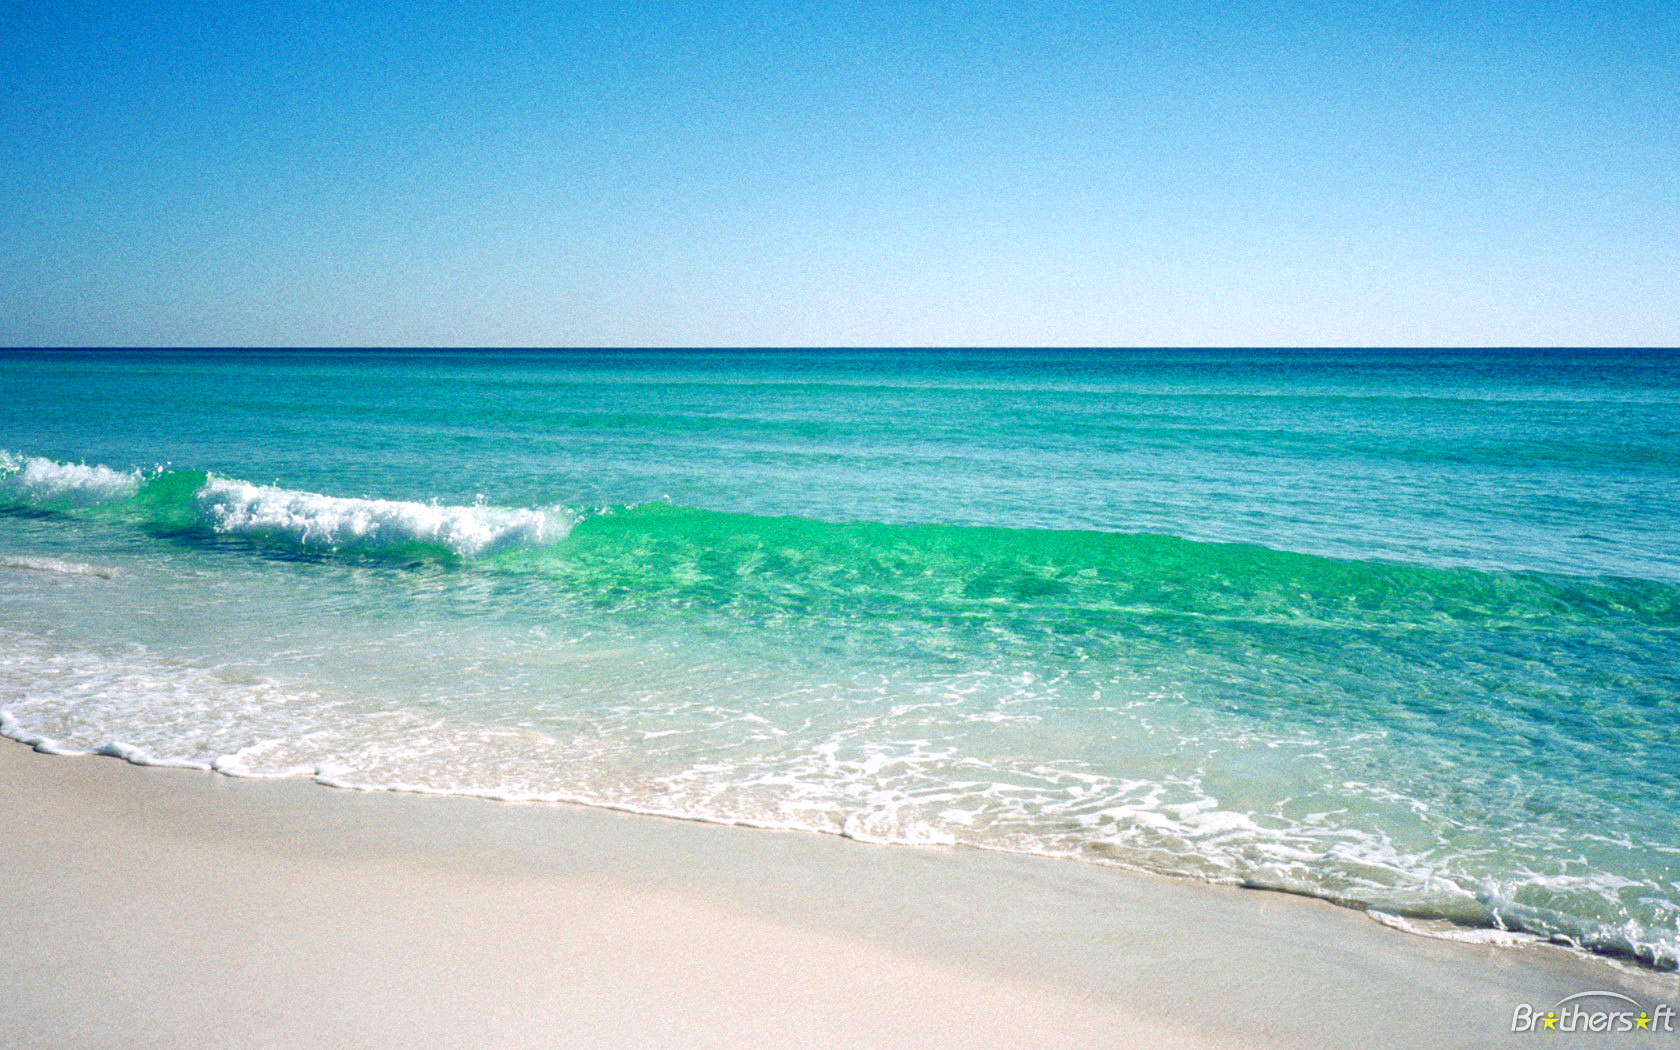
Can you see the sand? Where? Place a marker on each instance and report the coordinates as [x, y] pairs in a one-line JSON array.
[[155, 907]]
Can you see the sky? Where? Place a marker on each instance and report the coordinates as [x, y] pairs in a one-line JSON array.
[[870, 174]]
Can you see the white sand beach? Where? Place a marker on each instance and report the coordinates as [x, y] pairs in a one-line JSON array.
[[155, 907]]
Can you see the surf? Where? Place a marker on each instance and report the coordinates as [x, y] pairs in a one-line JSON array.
[[185, 502], [1228, 711]]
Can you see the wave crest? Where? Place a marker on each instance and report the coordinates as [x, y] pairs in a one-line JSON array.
[[41, 480], [311, 519], [189, 501]]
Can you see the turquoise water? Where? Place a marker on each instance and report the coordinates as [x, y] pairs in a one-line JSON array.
[[1396, 629]]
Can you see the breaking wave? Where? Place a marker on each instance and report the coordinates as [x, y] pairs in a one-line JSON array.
[[181, 500], [32, 479]]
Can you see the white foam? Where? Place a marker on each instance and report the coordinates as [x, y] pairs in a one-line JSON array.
[[231, 506], [39, 479], [312, 519], [9, 727], [1450, 932]]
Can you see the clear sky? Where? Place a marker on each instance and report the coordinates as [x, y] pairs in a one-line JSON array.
[[839, 174]]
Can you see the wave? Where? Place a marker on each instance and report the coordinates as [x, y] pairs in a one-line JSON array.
[[34, 479], [661, 553], [1043, 588], [194, 501], [309, 519]]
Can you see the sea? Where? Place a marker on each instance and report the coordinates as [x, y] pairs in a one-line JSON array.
[[1398, 629]]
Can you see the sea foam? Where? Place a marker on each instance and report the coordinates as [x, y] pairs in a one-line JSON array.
[[312, 519], [229, 506], [38, 479]]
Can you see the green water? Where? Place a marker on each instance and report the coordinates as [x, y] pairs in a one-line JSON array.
[[1396, 629]]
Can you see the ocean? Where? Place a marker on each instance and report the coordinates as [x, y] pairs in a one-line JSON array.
[[1397, 629]]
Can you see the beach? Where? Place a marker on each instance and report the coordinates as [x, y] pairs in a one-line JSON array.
[[157, 907], [839, 525], [1203, 698]]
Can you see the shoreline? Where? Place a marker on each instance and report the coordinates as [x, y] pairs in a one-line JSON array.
[[152, 905], [1429, 927]]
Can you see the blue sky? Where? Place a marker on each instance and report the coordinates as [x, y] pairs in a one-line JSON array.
[[867, 174]]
